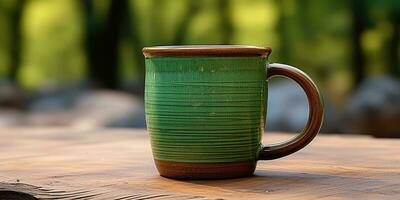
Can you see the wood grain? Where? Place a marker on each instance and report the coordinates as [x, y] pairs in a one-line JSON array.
[[63, 163]]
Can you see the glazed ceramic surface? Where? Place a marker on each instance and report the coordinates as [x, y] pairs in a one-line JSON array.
[[205, 109]]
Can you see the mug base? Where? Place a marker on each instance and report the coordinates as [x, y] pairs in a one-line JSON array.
[[179, 170]]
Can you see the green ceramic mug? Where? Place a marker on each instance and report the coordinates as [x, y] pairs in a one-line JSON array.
[[205, 109]]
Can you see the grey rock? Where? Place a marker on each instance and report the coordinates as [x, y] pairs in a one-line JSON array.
[[11, 96], [11, 117], [109, 108], [80, 107], [374, 108], [288, 110], [54, 98]]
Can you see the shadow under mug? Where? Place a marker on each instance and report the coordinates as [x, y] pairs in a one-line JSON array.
[[206, 109]]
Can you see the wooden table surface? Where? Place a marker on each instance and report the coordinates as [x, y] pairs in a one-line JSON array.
[[64, 163]]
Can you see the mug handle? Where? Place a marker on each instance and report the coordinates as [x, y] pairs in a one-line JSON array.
[[315, 116]]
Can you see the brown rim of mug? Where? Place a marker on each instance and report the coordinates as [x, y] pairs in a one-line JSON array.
[[206, 50]]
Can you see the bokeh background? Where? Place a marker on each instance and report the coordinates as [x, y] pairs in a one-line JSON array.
[[79, 62]]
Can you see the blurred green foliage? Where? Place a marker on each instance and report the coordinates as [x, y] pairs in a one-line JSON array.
[[314, 35], [52, 48]]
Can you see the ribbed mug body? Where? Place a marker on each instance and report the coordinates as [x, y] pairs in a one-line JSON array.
[[205, 115]]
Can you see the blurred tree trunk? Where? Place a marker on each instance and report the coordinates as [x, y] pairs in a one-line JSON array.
[[359, 17], [157, 21], [224, 7], [284, 34], [394, 43], [16, 39], [304, 20], [183, 26], [102, 43], [137, 44]]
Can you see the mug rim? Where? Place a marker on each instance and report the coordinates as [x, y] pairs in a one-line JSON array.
[[206, 50]]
